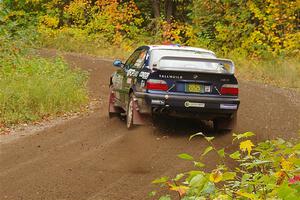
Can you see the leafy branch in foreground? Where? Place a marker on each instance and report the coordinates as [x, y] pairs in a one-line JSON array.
[[267, 170]]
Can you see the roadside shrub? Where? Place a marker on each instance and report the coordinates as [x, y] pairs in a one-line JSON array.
[[32, 87], [267, 170]]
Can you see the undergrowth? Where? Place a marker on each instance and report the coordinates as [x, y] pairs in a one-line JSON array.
[[32, 87], [278, 72]]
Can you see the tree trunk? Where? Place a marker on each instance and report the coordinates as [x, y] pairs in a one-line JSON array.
[[156, 8], [169, 9]]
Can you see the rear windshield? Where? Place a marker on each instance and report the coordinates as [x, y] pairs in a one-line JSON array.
[[169, 59]]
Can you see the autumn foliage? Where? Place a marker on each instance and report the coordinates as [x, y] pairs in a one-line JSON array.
[[256, 28], [261, 36]]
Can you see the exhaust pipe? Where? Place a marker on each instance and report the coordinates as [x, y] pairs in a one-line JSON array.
[[155, 110]]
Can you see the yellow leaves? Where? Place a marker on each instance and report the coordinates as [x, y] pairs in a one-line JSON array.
[[246, 145], [33, 1], [216, 176], [280, 176], [286, 165], [176, 32], [181, 189], [49, 21], [78, 10], [245, 194]]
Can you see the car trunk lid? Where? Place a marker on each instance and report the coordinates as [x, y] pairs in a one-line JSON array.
[[193, 83]]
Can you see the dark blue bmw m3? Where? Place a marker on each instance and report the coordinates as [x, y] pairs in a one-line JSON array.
[[177, 81]]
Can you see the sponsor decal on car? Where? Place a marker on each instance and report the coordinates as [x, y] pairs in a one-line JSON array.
[[144, 75], [132, 72], [170, 76], [207, 88], [194, 104]]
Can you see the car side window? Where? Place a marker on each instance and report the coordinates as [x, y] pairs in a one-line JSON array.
[[132, 59], [140, 61]]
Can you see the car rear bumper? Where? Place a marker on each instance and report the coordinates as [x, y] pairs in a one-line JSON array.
[[187, 105]]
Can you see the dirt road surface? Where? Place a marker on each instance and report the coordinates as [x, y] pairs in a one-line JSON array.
[[96, 158]]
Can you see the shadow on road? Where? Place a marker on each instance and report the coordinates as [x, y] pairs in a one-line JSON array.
[[183, 127]]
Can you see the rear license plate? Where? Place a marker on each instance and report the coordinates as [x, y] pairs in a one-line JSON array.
[[194, 87]]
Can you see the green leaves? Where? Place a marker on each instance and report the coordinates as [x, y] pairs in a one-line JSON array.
[[152, 193], [166, 197], [287, 192], [221, 152], [185, 156], [196, 134], [178, 177], [242, 136], [161, 180], [209, 138], [201, 134], [229, 176], [208, 149], [198, 164]]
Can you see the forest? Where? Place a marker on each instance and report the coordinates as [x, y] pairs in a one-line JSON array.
[[242, 28], [261, 36]]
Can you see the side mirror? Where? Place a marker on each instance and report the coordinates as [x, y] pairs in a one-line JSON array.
[[117, 63]]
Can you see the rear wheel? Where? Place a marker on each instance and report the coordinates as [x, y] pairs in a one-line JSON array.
[[225, 124], [129, 115]]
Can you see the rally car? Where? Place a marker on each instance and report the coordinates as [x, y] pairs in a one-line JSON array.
[[177, 81]]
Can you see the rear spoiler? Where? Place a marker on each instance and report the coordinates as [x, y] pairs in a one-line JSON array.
[[223, 61]]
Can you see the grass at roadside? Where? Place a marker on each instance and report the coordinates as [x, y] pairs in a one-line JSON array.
[[282, 73], [32, 87]]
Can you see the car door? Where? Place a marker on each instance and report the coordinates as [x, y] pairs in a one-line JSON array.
[[132, 69], [119, 79]]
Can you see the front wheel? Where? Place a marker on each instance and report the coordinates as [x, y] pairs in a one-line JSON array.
[[225, 124], [129, 115]]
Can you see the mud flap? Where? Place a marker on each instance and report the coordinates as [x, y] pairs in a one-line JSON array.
[[138, 118], [111, 103]]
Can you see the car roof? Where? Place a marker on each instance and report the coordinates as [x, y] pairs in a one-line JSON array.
[[178, 47]]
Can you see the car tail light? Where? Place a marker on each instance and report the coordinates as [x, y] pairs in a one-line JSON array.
[[229, 89], [154, 84]]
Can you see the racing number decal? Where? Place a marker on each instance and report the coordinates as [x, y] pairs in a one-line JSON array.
[[144, 75], [132, 72]]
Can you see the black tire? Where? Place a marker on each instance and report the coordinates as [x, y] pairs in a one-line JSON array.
[[225, 124], [113, 115], [129, 112]]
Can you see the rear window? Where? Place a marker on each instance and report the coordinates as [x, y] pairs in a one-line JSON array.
[[182, 60]]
